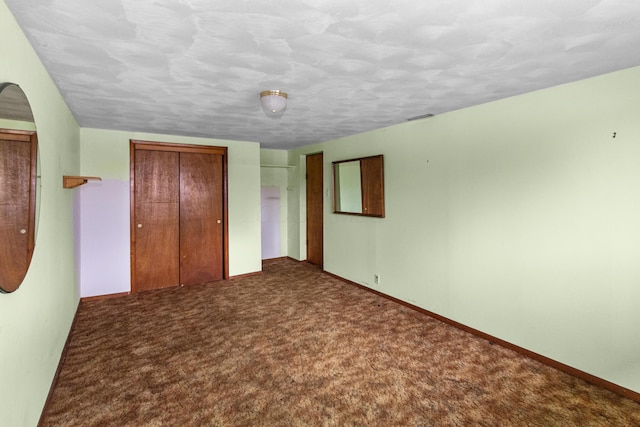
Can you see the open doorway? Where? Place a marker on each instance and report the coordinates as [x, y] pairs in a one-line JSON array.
[[270, 221]]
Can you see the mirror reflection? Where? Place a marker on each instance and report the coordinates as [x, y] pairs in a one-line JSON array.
[[18, 182], [358, 186], [348, 190]]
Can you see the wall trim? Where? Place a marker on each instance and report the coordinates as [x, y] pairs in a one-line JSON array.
[[240, 276], [106, 296], [618, 389], [270, 260]]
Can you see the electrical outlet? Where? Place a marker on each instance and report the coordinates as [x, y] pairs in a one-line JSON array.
[[376, 279]]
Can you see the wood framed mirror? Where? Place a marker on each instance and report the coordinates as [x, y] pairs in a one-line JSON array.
[[18, 182], [358, 186]]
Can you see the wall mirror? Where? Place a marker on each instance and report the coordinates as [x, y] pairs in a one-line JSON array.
[[18, 183], [358, 186]]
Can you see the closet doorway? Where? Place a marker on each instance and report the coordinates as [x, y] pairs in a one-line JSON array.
[[179, 221], [270, 221]]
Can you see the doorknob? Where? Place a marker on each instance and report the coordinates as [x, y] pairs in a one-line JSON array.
[[23, 231], [139, 225], [218, 221]]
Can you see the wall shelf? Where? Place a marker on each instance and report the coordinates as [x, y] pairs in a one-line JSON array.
[[71, 181]]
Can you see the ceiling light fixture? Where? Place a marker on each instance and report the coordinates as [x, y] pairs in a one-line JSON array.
[[273, 101]]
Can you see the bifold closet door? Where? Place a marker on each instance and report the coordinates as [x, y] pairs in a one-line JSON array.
[[178, 218], [201, 215], [157, 214]]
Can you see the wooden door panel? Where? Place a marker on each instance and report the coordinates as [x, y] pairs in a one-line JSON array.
[[315, 209], [15, 196], [13, 250], [157, 176], [201, 218], [372, 169], [156, 219]]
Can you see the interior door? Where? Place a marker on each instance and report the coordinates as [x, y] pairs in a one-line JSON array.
[[17, 204], [157, 209], [201, 214], [315, 210]]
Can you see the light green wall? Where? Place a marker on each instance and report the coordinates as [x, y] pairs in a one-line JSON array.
[[35, 319], [105, 153], [297, 221], [520, 218], [16, 124], [296, 208]]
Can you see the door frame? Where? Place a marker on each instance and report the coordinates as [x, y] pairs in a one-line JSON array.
[[134, 145]]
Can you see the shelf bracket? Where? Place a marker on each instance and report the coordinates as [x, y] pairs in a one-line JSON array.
[[69, 181]]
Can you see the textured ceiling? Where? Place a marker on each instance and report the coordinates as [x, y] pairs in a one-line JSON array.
[[196, 67]]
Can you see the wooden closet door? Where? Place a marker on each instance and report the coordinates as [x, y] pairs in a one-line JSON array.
[[16, 227], [201, 218], [156, 224], [315, 243]]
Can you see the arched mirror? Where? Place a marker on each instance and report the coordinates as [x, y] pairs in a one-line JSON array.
[[18, 183]]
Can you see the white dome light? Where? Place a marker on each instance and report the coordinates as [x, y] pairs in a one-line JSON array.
[[273, 101]]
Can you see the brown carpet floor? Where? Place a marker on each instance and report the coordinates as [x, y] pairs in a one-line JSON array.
[[295, 347]]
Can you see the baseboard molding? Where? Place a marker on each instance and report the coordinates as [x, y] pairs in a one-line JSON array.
[[240, 276], [618, 389], [107, 296], [270, 260], [282, 258], [56, 376]]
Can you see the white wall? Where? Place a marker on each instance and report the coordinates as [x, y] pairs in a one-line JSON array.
[[35, 319], [520, 218], [275, 172], [270, 222], [104, 215]]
